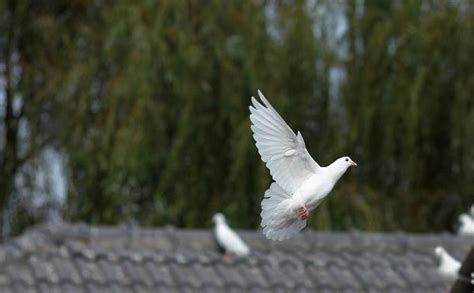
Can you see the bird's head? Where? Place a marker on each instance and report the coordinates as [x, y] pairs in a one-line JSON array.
[[464, 218], [218, 218], [344, 163], [439, 251], [340, 166]]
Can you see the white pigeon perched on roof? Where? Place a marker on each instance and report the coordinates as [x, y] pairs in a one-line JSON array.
[[227, 238], [466, 226], [448, 266], [300, 183]]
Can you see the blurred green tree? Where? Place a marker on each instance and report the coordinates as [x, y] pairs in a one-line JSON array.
[[37, 45], [148, 103]]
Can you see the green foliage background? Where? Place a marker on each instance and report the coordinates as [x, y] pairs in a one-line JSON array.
[[147, 101]]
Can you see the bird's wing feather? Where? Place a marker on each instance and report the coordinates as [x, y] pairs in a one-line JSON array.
[[284, 153]]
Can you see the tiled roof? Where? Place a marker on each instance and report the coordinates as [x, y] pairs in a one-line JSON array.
[[80, 258]]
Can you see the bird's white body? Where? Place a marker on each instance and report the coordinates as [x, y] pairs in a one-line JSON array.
[[313, 190], [300, 183], [318, 186], [227, 238], [448, 266], [467, 225]]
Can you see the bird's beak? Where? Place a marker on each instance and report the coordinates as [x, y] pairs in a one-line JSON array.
[[354, 164]]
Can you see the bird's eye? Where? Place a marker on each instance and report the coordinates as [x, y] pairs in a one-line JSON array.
[[347, 159]]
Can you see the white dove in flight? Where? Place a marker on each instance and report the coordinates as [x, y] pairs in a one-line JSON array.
[[227, 238], [448, 266], [300, 183]]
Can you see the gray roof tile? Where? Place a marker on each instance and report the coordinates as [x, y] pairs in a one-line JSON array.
[[19, 273], [346, 279], [230, 275], [137, 273], [113, 272], [160, 273], [392, 278], [72, 288], [206, 275], [89, 271], [43, 269], [21, 287], [79, 258], [65, 270]]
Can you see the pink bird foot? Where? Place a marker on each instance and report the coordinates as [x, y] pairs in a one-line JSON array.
[[227, 258], [303, 213]]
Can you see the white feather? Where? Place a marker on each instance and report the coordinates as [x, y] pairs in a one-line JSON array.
[[448, 266], [227, 238], [283, 152], [300, 181], [277, 222]]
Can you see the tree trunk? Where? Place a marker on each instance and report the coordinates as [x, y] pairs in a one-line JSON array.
[[8, 160]]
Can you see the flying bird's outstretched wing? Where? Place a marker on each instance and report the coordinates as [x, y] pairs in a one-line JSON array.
[[284, 153]]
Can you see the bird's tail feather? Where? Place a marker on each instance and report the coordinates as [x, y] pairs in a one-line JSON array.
[[277, 223]]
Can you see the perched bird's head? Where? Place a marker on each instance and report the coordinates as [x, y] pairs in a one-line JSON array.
[[439, 251], [218, 218], [464, 218]]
